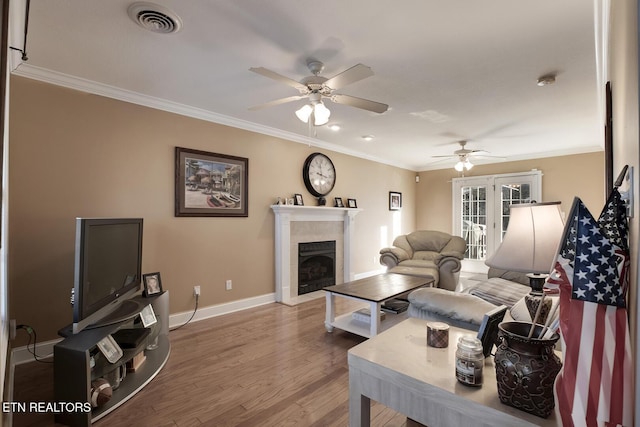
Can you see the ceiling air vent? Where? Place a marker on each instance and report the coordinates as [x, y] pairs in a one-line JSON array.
[[154, 18]]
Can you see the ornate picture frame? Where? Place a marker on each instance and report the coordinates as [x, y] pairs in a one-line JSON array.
[[211, 184], [395, 201]]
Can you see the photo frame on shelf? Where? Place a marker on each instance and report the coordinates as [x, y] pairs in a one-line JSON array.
[[339, 203], [148, 316], [395, 201], [152, 284], [211, 184], [110, 348], [297, 199], [488, 332], [352, 203]]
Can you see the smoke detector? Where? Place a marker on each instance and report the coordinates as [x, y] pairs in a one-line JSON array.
[[155, 18]]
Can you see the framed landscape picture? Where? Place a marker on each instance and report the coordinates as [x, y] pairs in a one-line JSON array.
[[211, 184]]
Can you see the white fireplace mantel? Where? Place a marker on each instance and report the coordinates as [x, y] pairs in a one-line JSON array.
[[284, 215]]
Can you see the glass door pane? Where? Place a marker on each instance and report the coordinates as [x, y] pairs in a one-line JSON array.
[[474, 221]]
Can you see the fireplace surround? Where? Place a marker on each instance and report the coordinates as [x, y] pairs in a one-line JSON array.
[[295, 224]]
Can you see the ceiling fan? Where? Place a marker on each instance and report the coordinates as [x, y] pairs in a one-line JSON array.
[[464, 154], [316, 88]]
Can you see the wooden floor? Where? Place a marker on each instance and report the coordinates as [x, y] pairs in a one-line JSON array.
[[273, 365]]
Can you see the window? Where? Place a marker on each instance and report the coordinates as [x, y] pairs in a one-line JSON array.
[[481, 210]]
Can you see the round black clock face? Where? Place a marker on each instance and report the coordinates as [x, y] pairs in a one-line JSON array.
[[319, 174]]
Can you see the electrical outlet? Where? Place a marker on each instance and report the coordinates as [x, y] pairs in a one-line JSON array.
[[12, 329], [196, 291], [229, 285]]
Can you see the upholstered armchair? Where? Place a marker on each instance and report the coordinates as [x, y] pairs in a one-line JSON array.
[[426, 253]]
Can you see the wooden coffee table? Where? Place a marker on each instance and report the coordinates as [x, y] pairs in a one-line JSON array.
[[374, 291]]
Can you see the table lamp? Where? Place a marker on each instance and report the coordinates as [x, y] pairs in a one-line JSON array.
[[530, 246]]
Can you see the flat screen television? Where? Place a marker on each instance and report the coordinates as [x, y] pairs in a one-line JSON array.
[[108, 263]]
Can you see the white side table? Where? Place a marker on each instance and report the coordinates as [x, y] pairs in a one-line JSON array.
[[399, 370]]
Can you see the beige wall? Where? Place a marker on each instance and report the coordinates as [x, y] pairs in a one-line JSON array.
[[563, 178], [623, 74], [74, 154]]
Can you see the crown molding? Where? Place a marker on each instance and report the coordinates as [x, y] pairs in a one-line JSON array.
[[72, 82]]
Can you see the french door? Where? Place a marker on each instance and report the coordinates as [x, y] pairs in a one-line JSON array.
[[481, 211]]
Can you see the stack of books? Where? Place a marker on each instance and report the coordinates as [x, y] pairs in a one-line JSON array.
[[395, 306], [364, 315]]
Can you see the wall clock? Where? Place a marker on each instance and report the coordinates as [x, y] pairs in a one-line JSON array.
[[319, 176]]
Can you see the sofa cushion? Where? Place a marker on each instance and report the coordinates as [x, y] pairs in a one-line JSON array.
[[420, 271], [426, 256], [428, 240], [453, 305], [419, 263], [499, 291]]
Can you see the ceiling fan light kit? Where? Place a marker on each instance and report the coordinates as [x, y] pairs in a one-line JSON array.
[[316, 87], [316, 108], [463, 165]]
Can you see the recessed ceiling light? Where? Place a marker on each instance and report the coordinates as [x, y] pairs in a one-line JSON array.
[[368, 137], [334, 128], [547, 79]]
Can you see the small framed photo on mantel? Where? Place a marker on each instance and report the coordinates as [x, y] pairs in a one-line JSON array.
[[352, 203], [339, 203]]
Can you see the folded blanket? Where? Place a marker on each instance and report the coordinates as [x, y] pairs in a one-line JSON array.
[[452, 305]]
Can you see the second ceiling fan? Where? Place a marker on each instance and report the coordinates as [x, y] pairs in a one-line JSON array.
[[316, 88], [464, 154]]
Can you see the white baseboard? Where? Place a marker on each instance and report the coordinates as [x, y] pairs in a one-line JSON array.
[[369, 273], [21, 355], [178, 319]]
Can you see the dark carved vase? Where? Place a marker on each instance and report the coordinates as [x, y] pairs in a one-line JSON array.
[[526, 368]]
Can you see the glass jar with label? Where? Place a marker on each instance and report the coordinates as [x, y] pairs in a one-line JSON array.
[[469, 360]]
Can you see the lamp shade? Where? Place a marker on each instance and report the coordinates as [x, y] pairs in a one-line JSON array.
[[304, 112], [321, 114], [531, 242]]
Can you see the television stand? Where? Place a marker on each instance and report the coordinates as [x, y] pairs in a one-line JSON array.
[[74, 370], [126, 310]]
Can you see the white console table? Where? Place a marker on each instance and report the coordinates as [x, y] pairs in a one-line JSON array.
[[399, 370]]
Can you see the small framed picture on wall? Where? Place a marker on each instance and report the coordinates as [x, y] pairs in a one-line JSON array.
[[395, 201]]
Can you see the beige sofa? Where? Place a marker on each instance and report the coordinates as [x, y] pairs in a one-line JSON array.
[[426, 253]]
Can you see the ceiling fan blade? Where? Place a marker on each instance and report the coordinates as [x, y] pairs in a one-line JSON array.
[[352, 75], [365, 104], [280, 78], [483, 156], [277, 102], [450, 156]]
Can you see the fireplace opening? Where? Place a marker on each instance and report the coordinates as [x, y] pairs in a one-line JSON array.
[[316, 265]]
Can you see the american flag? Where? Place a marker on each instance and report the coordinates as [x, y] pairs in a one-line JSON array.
[[594, 387]]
